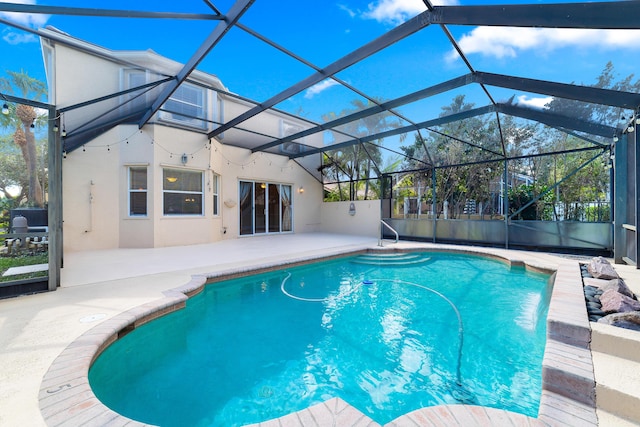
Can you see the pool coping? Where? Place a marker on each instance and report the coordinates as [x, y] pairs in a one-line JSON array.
[[568, 394]]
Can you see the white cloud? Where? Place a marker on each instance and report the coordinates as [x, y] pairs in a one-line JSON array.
[[35, 20], [507, 42], [398, 11], [537, 103], [14, 38], [319, 87], [346, 8]]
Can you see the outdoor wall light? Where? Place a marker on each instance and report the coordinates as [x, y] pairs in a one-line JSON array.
[[5, 109], [301, 189]]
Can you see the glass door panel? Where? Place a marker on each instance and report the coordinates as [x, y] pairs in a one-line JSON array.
[[246, 207], [286, 208], [274, 208], [260, 208]]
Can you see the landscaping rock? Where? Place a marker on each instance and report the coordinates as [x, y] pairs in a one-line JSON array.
[[600, 268], [628, 320], [615, 302], [619, 286]]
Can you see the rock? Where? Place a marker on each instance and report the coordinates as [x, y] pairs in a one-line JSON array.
[[619, 286], [615, 302], [590, 298], [600, 268], [594, 305], [628, 320], [589, 289], [595, 312]]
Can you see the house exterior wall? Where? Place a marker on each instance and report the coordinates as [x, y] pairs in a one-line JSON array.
[[96, 176], [95, 190]]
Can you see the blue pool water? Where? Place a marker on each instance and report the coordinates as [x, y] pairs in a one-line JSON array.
[[382, 333]]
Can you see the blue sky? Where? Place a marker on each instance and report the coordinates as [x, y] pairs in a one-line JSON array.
[[323, 31]]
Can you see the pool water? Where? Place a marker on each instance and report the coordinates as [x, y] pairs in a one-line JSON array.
[[380, 332]]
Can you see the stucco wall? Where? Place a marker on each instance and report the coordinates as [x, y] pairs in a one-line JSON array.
[[91, 201], [366, 221], [95, 189], [95, 176]]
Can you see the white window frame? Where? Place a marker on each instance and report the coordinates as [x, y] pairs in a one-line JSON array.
[[215, 190], [127, 74], [204, 107], [184, 193], [132, 191], [288, 128]]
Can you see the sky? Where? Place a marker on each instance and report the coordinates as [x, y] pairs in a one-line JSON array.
[[321, 32]]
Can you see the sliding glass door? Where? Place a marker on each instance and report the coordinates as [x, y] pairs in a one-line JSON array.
[[265, 207]]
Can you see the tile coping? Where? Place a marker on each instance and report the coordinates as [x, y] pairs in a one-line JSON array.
[[568, 395]]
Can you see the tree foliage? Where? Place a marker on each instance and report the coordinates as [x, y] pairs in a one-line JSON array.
[[359, 163], [22, 120]]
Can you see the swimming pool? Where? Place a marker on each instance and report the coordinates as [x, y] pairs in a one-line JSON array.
[[380, 332]]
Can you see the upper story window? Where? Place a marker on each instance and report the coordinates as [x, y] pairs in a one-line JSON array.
[[288, 128], [182, 192], [190, 105], [187, 106], [138, 191], [136, 100]]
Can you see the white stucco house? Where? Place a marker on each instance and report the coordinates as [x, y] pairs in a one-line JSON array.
[[167, 183]]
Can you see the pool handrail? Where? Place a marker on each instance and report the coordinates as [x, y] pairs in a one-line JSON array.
[[390, 228]]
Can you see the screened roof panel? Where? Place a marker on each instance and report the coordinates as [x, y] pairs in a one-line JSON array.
[[411, 64], [282, 55]]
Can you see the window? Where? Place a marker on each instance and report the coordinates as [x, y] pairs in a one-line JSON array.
[[136, 100], [216, 196], [287, 129], [182, 192], [186, 106], [138, 191]]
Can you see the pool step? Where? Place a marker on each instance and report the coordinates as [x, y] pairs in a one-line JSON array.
[[391, 259], [616, 363], [617, 386]]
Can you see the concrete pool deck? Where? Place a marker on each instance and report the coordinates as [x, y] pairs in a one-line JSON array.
[[99, 286]]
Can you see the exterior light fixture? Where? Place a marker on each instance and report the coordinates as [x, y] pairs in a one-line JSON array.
[[301, 189], [5, 109], [184, 159], [631, 128], [615, 138], [64, 132], [56, 128]]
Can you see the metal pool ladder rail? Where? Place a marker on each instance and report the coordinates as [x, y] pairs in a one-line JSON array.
[[390, 228]]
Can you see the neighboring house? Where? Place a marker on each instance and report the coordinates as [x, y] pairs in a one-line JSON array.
[[167, 184]]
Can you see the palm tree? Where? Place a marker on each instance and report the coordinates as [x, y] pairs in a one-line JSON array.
[[24, 136], [355, 161]]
